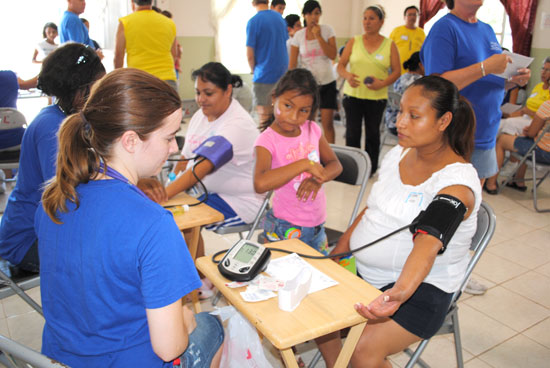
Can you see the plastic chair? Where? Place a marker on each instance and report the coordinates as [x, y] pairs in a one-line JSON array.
[[486, 223], [530, 159], [356, 171], [16, 355], [10, 118]]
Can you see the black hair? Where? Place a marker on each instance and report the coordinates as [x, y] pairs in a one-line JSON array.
[[166, 13], [143, 2], [444, 97], [68, 73], [450, 4], [217, 74], [257, 2], [378, 10], [409, 8], [291, 20], [413, 63], [301, 81], [310, 6], [48, 25], [278, 2]]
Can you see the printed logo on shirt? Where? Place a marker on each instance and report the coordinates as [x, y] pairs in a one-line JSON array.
[[405, 37]]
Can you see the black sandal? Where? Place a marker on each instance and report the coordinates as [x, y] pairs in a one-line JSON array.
[[490, 191], [514, 185]]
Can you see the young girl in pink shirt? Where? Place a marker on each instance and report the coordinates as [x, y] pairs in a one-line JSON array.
[[294, 159]]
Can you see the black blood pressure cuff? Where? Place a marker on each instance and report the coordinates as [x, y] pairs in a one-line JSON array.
[[440, 219]]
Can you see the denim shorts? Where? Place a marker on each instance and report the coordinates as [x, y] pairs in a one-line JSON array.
[[276, 229], [522, 145], [485, 162], [204, 342]]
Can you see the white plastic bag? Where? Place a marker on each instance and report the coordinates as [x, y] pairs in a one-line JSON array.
[[242, 347]]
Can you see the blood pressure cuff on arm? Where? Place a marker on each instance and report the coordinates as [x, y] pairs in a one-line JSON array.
[[440, 219], [215, 149]]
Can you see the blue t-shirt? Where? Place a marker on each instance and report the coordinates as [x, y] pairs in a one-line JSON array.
[[72, 29], [114, 256], [9, 87], [266, 33], [455, 44], [36, 165]]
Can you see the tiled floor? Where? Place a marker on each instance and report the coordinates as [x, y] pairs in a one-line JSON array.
[[509, 326]]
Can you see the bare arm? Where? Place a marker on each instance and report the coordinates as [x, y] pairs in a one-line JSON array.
[[27, 84], [293, 57], [251, 58], [169, 330], [174, 49], [344, 60], [266, 179], [534, 128], [416, 268], [120, 47], [34, 57], [187, 179], [464, 77], [329, 46]]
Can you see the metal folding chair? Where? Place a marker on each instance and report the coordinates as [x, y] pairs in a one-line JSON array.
[[486, 222], [16, 355], [19, 288], [530, 160], [356, 171], [10, 118], [394, 100]]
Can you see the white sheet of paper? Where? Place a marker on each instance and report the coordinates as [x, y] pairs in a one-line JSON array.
[[285, 268], [518, 61], [509, 108]]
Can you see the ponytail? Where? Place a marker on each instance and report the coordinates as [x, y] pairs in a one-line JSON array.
[[460, 133], [77, 163], [124, 100]]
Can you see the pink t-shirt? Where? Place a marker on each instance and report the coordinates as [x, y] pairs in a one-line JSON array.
[[284, 151]]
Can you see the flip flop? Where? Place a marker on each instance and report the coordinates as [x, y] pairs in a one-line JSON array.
[[514, 185]]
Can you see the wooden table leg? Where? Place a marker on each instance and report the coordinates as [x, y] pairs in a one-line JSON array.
[[289, 358], [192, 238], [349, 346]]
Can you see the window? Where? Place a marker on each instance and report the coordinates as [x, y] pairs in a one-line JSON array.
[[493, 13], [231, 31]]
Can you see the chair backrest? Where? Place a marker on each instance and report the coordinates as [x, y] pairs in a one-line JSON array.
[[17, 355], [11, 118], [528, 155], [486, 224], [394, 99], [356, 171]]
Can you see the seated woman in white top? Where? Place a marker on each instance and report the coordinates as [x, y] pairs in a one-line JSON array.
[[416, 274]]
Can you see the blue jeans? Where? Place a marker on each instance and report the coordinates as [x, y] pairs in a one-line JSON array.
[[276, 229], [204, 342]]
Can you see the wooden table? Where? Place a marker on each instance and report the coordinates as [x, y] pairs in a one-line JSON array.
[[190, 223], [318, 314]]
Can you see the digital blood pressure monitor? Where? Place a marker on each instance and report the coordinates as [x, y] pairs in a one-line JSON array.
[[244, 261]]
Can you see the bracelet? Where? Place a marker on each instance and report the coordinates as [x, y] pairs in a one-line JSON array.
[[482, 69], [312, 163]]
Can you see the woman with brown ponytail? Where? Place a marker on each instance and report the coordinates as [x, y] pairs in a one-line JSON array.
[[114, 266]]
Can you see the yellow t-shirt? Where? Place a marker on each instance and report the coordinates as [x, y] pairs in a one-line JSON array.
[[537, 97], [149, 38], [364, 64], [408, 41]]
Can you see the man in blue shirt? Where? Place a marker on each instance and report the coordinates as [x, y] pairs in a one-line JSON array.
[[267, 55], [71, 27]]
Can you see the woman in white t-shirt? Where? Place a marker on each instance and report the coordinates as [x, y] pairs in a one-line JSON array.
[[47, 45], [416, 274], [316, 46], [230, 186]]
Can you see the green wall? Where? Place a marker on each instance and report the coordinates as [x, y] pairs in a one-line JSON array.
[[197, 51]]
